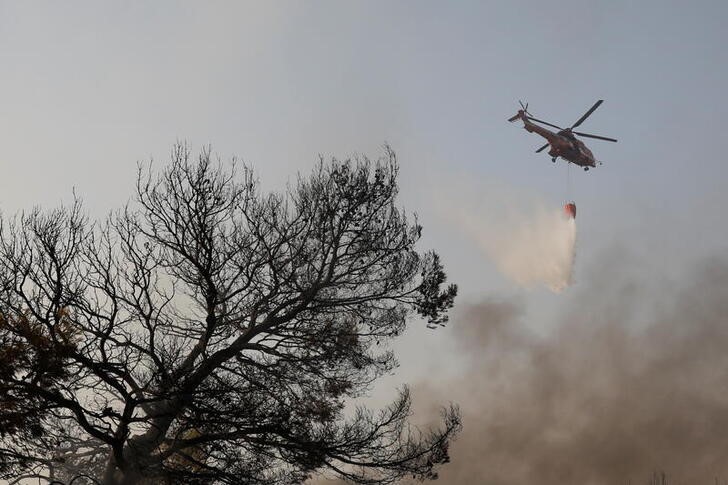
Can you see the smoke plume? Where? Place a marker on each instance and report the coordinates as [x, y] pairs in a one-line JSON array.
[[630, 382], [531, 247]]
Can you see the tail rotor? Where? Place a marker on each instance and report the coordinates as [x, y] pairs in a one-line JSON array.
[[523, 112], [524, 106]]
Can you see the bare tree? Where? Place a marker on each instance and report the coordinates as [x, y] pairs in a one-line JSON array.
[[208, 333]]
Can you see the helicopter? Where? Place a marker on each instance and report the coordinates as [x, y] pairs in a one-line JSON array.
[[563, 143]]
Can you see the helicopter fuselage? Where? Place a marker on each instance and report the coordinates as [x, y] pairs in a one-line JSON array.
[[562, 144]]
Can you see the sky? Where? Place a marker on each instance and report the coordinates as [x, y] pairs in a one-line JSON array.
[[89, 89]]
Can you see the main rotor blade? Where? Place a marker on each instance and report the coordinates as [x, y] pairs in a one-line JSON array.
[[544, 122], [586, 115], [541, 149], [593, 136]]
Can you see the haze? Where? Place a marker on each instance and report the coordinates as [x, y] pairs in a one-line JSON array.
[[90, 88]]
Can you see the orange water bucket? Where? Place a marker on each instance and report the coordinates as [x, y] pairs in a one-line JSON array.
[[570, 210]]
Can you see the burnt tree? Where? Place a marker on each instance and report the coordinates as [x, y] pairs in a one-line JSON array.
[[210, 333]]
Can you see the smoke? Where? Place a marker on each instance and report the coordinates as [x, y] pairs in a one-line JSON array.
[[531, 248], [529, 240], [631, 381]]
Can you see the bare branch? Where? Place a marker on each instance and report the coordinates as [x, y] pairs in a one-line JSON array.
[[209, 333]]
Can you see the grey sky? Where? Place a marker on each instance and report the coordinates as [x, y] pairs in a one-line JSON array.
[[89, 88]]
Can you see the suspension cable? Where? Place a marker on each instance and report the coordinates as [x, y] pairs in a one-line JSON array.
[[568, 181]]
